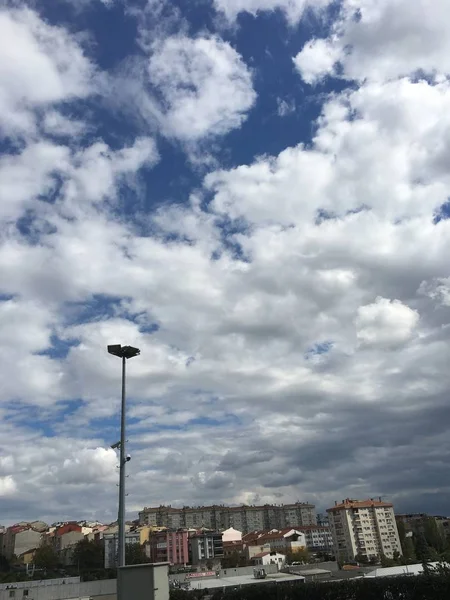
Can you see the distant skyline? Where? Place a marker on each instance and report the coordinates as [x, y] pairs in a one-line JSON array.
[[256, 194]]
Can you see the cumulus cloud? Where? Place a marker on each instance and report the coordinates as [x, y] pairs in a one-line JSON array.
[[289, 304], [316, 59], [379, 40], [41, 65], [385, 323], [205, 86]]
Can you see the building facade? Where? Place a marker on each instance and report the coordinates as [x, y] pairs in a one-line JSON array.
[[318, 539], [169, 546], [284, 540], [205, 547], [18, 539], [111, 545], [269, 558], [364, 528], [218, 518]]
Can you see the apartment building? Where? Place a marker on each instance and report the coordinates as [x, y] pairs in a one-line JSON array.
[[218, 518], [169, 546], [111, 545], [318, 539], [18, 539], [205, 546], [363, 527], [283, 540]]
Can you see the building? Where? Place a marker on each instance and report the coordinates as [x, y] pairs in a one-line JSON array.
[[416, 569], [169, 546], [52, 589], [18, 539], [218, 518], [318, 539], [111, 545], [231, 535], [238, 577], [284, 540], [322, 520], [365, 528], [204, 547], [269, 558], [418, 523]]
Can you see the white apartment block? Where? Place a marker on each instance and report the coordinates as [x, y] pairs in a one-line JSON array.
[[243, 518], [365, 527], [318, 538]]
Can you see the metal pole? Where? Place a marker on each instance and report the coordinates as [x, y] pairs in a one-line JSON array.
[[123, 461]]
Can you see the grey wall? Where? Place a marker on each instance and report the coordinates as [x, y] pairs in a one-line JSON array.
[[103, 590], [144, 582]]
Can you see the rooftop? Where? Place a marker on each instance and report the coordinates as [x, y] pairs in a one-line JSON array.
[[369, 503], [245, 580]]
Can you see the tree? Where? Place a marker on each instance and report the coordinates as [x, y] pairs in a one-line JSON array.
[[4, 564], [135, 554], [45, 557], [387, 562], [361, 559], [234, 560], [433, 536], [298, 556], [88, 554], [424, 552]]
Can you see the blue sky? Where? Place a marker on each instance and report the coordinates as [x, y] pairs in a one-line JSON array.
[[253, 192]]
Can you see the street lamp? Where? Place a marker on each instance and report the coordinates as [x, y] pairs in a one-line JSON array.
[[123, 352]]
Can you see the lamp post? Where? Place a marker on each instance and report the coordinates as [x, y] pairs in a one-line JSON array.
[[123, 352]]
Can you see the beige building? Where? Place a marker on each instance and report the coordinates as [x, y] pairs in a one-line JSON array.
[[363, 527], [18, 539], [231, 535], [243, 518]]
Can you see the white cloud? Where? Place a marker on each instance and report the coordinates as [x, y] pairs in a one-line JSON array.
[[40, 65], [293, 9], [285, 296], [59, 125], [385, 323], [316, 59], [285, 107], [205, 86], [378, 40], [7, 486]]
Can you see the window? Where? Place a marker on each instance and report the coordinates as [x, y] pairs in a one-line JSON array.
[[12, 593], [25, 593]]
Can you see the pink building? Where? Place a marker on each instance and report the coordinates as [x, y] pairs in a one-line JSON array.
[[169, 546]]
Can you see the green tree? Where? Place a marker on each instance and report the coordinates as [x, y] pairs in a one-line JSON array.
[[433, 535], [234, 560], [135, 554], [424, 552], [387, 562], [45, 557], [361, 559], [4, 564], [88, 554]]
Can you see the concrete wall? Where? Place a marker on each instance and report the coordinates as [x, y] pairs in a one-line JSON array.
[[144, 582], [101, 590]]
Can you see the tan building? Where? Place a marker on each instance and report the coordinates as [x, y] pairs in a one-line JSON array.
[[284, 540], [363, 527], [18, 539], [218, 518]]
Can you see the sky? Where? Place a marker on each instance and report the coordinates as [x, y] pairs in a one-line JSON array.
[[256, 194]]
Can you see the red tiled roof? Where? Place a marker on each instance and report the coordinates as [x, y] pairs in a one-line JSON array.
[[370, 503], [260, 554]]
